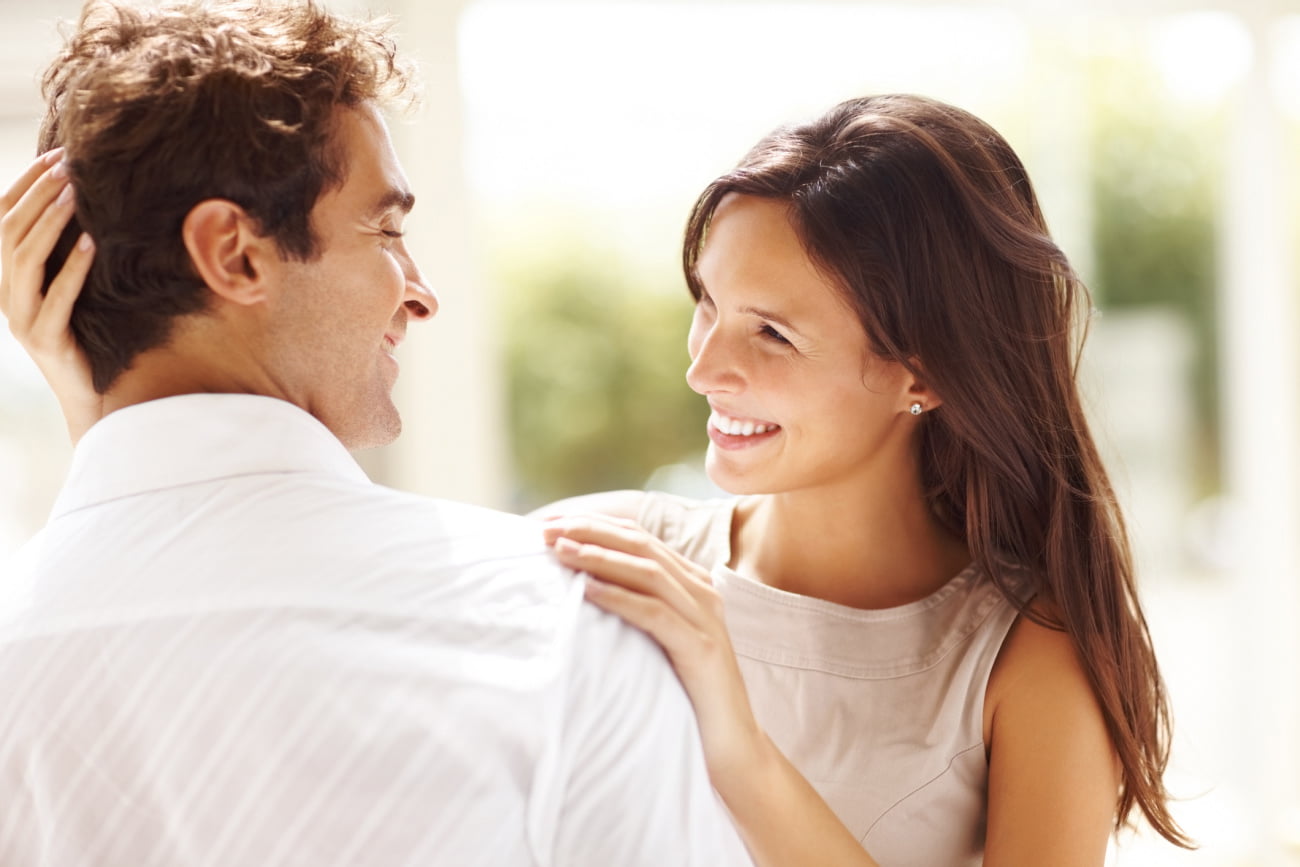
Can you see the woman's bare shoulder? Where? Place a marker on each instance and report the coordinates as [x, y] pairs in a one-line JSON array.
[[1053, 771], [1039, 666]]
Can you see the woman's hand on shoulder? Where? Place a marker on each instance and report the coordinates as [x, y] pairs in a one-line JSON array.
[[1053, 771], [781, 817], [672, 599], [34, 212]]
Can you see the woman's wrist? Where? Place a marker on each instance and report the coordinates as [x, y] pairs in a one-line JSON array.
[[80, 415], [751, 770], [782, 819]]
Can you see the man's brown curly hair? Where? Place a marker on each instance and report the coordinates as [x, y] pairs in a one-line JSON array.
[[162, 107]]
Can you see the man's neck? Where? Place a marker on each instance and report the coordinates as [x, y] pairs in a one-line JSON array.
[[170, 371]]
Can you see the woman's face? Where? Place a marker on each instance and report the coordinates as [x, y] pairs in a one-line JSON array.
[[798, 400]]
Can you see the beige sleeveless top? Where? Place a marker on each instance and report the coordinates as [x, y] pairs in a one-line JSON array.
[[881, 710]]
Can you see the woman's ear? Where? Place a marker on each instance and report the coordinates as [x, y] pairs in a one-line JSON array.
[[226, 252], [919, 390]]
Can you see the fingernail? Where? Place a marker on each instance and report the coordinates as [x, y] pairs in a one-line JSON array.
[[60, 169], [84, 242], [566, 544], [65, 197], [53, 155]]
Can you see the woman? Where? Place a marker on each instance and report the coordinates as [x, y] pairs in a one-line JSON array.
[[925, 576], [913, 637]]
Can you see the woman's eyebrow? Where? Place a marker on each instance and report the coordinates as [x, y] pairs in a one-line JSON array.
[[769, 315]]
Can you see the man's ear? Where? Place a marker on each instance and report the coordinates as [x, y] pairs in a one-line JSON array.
[[227, 253]]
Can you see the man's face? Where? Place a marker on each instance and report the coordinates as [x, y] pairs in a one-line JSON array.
[[336, 321]]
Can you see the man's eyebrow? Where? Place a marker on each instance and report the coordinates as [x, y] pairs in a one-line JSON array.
[[394, 198]]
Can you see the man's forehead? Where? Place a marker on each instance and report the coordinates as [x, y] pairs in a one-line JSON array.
[[371, 171]]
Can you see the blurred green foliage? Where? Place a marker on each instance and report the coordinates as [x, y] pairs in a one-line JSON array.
[[1155, 191], [595, 360]]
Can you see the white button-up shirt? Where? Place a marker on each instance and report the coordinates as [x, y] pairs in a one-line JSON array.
[[229, 647]]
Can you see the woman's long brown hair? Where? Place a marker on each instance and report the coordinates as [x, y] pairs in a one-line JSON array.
[[926, 219]]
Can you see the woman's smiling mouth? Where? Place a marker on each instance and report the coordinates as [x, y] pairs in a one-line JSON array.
[[731, 433]]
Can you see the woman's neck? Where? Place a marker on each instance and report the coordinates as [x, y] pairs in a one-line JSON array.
[[850, 547]]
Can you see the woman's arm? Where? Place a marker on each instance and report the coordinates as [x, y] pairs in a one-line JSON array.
[[1053, 774], [34, 212], [781, 818], [1053, 771]]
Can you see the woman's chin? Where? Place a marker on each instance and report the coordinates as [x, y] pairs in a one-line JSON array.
[[733, 483]]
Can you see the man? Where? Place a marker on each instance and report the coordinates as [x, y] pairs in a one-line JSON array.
[[228, 646]]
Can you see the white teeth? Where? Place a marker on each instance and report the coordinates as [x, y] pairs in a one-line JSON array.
[[737, 428]]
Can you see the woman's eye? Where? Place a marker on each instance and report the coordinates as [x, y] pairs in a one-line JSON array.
[[391, 233], [772, 334]]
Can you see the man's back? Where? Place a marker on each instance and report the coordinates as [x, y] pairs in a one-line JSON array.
[[229, 647]]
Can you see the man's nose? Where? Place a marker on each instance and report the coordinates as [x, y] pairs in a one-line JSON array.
[[420, 299]]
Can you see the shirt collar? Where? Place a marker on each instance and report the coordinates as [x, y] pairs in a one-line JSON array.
[[196, 438]]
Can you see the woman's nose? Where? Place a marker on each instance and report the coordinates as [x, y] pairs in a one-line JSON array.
[[712, 367]]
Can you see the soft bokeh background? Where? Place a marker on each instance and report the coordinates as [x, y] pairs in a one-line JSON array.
[[561, 144]]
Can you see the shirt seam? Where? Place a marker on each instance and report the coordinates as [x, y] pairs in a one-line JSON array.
[[967, 577], [922, 787], [958, 637]]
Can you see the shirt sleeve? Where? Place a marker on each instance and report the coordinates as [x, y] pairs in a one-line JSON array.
[[630, 784]]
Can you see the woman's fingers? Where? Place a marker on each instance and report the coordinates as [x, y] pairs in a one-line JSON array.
[[22, 270], [671, 599], [54, 321], [37, 168], [653, 616], [624, 535], [637, 574], [28, 199], [602, 529], [29, 230], [34, 213], [658, 590]]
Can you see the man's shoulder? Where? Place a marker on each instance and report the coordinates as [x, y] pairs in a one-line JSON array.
[[297, 541], [432, 547], [455, 530], [451, 513]]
